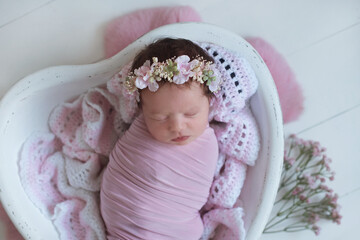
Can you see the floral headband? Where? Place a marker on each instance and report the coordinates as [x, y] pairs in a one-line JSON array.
[[176, 70]]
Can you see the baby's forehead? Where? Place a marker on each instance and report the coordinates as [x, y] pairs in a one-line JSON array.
[[170, 91], [172, 97]]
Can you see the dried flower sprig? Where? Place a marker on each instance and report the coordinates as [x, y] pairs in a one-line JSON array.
[[303, 198]]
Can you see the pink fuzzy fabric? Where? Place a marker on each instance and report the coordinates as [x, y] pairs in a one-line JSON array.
[[290, 94], [125, 29]]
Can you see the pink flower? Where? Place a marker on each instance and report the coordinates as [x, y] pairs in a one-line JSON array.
[[307, 144], [142, 75], [326, 160], [314, 218], [297, 190], [153, 86], [184, 68], [197, 69], [290, 160], [302, 197], [316, 149], [316, 229], [310, 180], [332, 177], [334, 199], [327, 189], [214, 85], [336, 215]]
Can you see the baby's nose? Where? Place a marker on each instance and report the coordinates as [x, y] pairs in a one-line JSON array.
[[177, 124]]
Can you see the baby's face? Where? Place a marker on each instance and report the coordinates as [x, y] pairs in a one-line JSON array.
[[175, 115]]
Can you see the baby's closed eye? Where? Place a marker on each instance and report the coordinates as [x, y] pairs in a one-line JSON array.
[[191, 114], [159, 117]]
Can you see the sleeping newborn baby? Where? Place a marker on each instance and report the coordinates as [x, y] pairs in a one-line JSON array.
[[160, 171]]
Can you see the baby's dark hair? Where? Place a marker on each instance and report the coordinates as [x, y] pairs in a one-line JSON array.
[[167, 48]]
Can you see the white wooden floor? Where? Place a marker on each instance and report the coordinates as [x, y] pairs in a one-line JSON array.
[[320, 39]]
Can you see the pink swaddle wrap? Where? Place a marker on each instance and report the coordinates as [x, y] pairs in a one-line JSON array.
[[153, 190]]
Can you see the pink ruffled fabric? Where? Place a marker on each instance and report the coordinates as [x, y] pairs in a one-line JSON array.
[[152, 190]]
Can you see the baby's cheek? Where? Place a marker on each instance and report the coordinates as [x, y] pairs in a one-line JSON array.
[[157, 130], [200, 126], [151, 127]]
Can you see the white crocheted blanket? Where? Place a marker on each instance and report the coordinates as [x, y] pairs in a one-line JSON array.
[[61, 170]]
